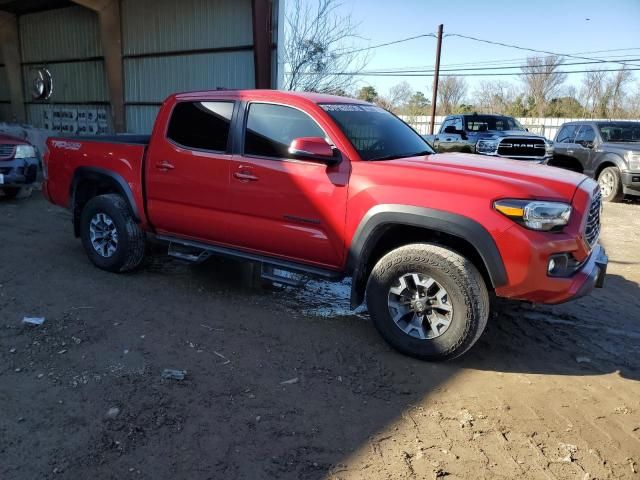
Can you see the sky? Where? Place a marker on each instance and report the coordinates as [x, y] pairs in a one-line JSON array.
[[562, 26]]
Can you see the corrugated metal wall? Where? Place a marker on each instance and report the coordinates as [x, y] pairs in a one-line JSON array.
[[67, 42], [167, 46], [167, 52]]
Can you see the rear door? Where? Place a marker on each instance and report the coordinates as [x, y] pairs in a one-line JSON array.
[[187, 172], [282, 206]]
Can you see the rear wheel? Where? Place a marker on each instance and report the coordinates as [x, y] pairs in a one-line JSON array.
[[110, 236], [610, 184], [428, 301]]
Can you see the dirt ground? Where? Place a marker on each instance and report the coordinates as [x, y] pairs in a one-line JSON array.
[[290, 384]]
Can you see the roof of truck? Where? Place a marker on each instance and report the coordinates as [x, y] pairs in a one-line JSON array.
[[264, 94]]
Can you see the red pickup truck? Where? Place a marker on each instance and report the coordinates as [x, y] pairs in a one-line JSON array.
[[336, 187]]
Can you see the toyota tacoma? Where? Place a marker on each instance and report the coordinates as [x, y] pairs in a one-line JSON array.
[[492, 135], [335, 187]]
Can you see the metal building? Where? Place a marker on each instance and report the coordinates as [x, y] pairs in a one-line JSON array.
[[93, 66]]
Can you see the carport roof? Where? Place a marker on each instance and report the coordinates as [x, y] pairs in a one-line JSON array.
[[20, 7]]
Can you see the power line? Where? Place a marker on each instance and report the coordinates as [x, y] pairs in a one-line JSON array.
[[400, 74], [386, 44], [502, 44], [429, 70]]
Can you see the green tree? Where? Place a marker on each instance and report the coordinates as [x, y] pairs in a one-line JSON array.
[[565, 107], [417, 105], [368, 94]]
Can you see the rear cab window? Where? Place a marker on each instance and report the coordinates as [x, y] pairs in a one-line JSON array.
[[202, 125], [270, 129]]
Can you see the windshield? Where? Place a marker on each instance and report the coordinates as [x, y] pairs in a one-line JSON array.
[[486, 123], [620, 132], [375, 133]]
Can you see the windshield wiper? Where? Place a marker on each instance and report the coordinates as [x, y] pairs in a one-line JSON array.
[[406, 155]]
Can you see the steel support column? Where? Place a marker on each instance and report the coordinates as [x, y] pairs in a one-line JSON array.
[[262, 35], [10, 46], [111, 37]]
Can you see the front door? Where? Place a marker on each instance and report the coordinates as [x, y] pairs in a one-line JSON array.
[[583, 149], [187, 172], [281, 206]]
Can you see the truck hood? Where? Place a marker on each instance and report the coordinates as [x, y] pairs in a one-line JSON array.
[[9, 140], [530, 180], [504, 133], [620, 146]]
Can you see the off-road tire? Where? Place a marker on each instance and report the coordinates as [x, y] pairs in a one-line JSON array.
[[131, 238], [459, 277], [616, 195], [9, 193]]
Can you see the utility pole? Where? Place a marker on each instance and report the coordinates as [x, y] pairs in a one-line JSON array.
[[435, 81]]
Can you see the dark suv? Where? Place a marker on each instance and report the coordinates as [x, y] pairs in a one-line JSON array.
[[607, 151]]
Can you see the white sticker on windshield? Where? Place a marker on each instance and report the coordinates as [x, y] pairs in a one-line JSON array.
[[350, 107]]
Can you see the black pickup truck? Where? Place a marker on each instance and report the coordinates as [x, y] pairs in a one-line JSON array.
[[494, 135], [606, 151]]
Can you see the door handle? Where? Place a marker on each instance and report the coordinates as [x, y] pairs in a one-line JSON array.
[[245, 176], [570, 152], [165, 165]]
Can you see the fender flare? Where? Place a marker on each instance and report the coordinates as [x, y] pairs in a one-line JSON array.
[[377, 219], [610, 157], [97, 173]]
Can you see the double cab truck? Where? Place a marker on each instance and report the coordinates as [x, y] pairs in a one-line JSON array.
[[606, 151], [335, 187], [18, 166], [492, 135]]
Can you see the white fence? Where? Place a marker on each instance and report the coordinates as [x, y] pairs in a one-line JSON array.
[[547, 127]]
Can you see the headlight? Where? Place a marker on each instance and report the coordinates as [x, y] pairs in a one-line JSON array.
[[25, 151], [548, 148], [534, 214], [634, 160], [487, 147]]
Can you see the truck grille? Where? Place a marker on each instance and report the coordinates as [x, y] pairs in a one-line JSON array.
[[521, 147], [592, 228], [6, 151]]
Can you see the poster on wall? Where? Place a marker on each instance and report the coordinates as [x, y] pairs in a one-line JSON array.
[[76, 121]]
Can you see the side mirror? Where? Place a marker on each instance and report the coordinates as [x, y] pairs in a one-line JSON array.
[[585, 143], [314, 148], [451, 130]]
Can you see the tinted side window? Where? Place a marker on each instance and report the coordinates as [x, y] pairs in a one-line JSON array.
[[566, 134], [201, 125], [447, 123], [586, 135], [271, 128]]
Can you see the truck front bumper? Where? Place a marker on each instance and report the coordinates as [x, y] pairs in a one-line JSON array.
[[19, 172], [631, 182], [542, 288]]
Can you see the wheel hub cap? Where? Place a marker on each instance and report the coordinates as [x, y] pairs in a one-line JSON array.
[[419, 306], [606, 182], [103, 234]]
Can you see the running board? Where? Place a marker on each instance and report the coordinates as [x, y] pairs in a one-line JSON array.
[[203, 248], [278, 275], [187, 254]]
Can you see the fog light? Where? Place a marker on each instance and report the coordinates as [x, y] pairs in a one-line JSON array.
[[552, 266]]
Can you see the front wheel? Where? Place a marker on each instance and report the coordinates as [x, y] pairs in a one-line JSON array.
[[428, 301], [110, 236], [611, 184]]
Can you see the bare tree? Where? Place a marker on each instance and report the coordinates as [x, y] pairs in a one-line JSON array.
[[594, 93], [319, 47], [398, 97], [494, 96], [451, 92], [617, 85], [542, 80]]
